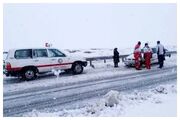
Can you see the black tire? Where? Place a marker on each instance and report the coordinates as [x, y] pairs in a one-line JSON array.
[[29, 74], [68, 71], [77, 68]]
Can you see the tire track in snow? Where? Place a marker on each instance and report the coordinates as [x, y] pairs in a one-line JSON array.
[[79, 92], [91, 81]]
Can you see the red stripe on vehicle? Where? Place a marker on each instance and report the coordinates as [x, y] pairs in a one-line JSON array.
[[19, 68], [53, 65]]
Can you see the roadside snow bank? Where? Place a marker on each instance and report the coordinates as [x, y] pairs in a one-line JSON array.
[[157, 102], [112, 98]]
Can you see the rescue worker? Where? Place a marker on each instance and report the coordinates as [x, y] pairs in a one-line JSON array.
[[116, 57], [147, 56], [137, 56], [161, 54]]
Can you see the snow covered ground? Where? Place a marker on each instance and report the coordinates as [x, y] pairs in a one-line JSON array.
[[101, 70], [154, 101], [96, 52], [159, 101]]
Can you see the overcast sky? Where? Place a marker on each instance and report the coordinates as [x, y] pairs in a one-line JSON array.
[[79, 26]]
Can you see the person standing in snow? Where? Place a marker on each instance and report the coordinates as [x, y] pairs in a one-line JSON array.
[[116, 57], [137, 56], [161, 54], [147, 56]]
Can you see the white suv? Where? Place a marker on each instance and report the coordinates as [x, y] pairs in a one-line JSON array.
[[27, 63]]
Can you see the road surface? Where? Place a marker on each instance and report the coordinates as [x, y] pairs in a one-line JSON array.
[[16, 103]]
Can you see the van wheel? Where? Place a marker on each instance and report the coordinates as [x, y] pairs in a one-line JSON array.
[[77, 68], [29, 74]]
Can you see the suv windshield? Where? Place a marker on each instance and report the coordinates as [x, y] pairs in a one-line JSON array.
[[5, 55], [23, 54]]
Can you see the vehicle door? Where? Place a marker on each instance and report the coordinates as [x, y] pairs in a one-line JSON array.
[[59, 60], [41, 60], [154, 58]]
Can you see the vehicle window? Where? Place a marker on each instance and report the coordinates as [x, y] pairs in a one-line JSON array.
[[154, 50], [55, 53], [40, 53], [5, 55], [23, 54]]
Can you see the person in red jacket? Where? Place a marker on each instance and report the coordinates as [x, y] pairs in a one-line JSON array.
[[137, 56], [147, 56]]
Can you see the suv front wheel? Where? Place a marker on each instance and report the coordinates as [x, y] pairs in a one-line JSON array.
[[77, 68], [29, 74]]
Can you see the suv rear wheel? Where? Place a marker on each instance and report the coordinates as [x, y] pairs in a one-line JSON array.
[[77, 68], [29, 74]]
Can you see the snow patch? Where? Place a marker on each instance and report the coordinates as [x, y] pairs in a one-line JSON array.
[[112, 98], [56, 72], [160, 90], [158, 101]]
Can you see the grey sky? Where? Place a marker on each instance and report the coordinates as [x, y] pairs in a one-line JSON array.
[[75, 26]]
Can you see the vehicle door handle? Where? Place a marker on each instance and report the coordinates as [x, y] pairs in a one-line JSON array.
[[53, 59], [36, 60]]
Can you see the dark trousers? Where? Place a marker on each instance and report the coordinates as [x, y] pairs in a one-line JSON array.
[[161, 60], [115, 64]]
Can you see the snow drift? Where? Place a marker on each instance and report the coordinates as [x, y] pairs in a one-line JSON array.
[[155, 102]]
